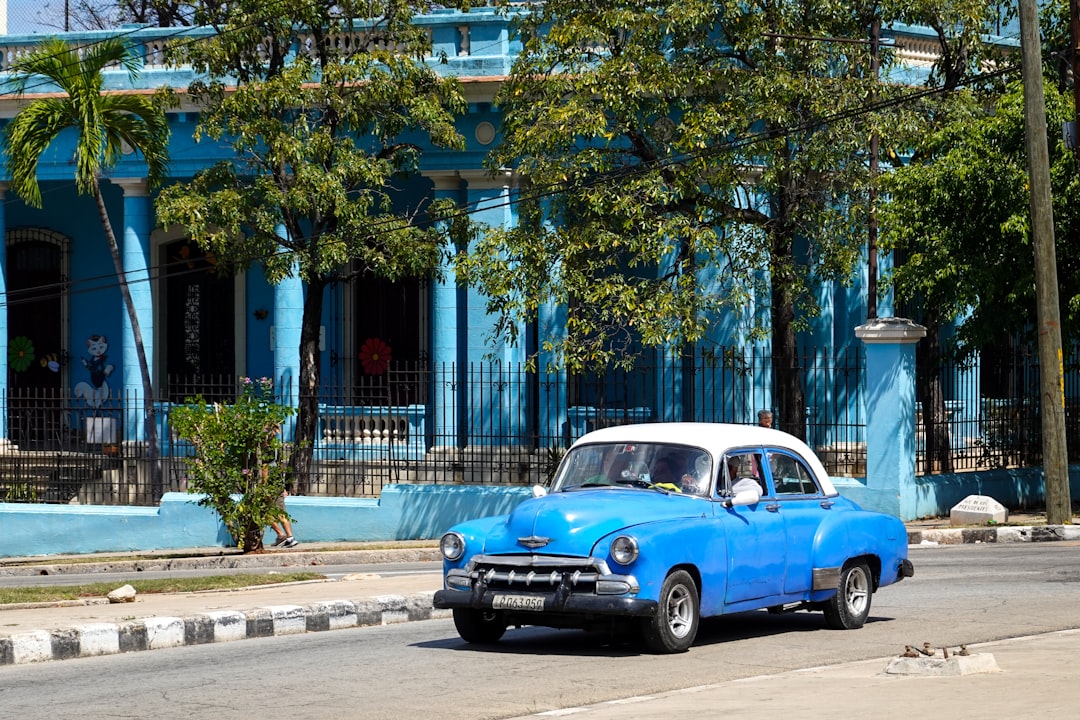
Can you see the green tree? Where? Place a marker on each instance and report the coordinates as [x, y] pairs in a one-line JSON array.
[[960, 28], [960, 219], [105, 123], [680, 149], [237, 466], [323, 103]]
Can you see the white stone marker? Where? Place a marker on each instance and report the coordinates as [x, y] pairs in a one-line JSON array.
[[978, 510]]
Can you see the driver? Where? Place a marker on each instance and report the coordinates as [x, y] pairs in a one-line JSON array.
[[663, 474]]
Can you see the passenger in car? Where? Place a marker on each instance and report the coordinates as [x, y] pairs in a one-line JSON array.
[[745, 466]]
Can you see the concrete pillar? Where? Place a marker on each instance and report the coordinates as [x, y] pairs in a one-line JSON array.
[[552, 377], [498, 398], [890, 414], [447, 343], [288, 319], [135, 256]]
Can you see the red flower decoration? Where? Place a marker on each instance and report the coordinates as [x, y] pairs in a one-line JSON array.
[[374, 356]]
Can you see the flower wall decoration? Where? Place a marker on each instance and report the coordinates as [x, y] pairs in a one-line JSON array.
[[374, 356], [20, 353]]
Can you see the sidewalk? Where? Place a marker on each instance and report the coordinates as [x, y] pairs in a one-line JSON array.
[[61, 631], [1035, 678]]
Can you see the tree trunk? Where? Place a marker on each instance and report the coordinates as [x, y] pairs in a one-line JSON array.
[[935, 420], [787, 379], [307, 416], [153, 455]]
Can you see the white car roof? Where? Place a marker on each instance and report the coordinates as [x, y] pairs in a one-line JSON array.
[[717, 438]]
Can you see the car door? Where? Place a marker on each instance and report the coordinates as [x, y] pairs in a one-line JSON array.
[[756, 537], [801, 505]]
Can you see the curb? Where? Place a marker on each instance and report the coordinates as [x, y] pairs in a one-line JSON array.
[[1003, 534], [221, 626]]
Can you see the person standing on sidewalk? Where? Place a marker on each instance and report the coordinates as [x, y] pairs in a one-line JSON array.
[[764, 418], [283, 528]]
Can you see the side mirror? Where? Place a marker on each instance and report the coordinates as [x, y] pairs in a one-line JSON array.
[[539, 491], [747, 492]]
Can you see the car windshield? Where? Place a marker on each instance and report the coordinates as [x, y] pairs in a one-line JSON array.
[[664, 466]]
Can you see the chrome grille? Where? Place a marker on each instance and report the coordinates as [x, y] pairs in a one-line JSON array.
[[537, 573]]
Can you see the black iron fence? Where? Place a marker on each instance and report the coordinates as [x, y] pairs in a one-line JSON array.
[[992, 415], [484, 423], [492, 423]]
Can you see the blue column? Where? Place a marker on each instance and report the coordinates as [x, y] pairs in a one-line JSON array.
[[135, 255], [288, 318], [488, 198], [890, 413], [4, 440], [552, 392], [445, 341]]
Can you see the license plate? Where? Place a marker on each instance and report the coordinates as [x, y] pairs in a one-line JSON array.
[[518, 602]]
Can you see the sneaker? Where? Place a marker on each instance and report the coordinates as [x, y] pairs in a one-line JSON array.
[[279, 541], [289, 542]]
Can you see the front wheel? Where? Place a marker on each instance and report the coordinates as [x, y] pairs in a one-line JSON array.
[[482, 627], [849, 608], [675, 625]]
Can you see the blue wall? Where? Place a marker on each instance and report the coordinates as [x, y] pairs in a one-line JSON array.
[[404, 512]]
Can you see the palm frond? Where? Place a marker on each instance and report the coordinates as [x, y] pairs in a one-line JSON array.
[[104, 122]]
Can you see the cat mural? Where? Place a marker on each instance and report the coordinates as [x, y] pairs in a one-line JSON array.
[[96, 391]]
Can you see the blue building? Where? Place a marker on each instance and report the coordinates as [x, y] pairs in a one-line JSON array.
[[71, 381]]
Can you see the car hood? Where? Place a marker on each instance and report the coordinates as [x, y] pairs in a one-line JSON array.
[[573, 522]]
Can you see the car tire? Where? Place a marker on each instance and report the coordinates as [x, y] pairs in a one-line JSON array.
[[481, 627], [675, 625], [849, 608]]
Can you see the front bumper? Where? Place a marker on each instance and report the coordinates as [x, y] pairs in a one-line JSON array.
[[537, 584], [569, 603]]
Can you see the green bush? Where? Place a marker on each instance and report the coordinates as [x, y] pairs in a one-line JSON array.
[[238, 464]]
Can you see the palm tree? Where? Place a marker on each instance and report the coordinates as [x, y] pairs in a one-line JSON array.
[[106, 123]]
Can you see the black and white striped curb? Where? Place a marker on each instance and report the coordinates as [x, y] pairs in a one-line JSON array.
[[1000, 534], [213, 627]]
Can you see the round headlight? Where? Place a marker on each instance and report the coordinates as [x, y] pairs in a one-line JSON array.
[[452, 546], [624, 550]]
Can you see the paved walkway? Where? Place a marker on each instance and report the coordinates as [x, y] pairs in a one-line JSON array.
[[60, 631]]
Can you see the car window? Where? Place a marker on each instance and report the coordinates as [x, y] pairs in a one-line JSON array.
[[740, 465], [675, 468], [790, 475]]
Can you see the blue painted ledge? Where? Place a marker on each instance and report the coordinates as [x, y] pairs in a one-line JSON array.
[[404, 512]]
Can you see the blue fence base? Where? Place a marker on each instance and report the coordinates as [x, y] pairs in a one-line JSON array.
[[404, 512]]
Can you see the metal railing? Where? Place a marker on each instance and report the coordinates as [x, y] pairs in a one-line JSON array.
[[993, 411], [493, 423], [487, 423]]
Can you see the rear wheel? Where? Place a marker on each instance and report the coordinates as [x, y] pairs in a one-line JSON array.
[[849, 608], [675, 624], [482, 627]]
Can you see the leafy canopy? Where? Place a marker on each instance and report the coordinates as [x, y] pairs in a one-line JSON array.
[[961, 221], [677, 156], [315, 100]]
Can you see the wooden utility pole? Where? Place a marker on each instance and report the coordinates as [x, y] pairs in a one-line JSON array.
[[1051, 371]]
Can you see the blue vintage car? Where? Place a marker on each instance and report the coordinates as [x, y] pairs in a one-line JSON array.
[[648, 528]]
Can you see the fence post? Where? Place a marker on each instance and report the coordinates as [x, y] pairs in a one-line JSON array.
[[890, 414]]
